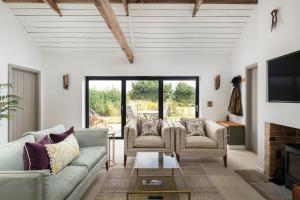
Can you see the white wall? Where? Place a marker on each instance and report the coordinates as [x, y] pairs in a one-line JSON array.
[[15, 48], [285, 39], [65, 106]]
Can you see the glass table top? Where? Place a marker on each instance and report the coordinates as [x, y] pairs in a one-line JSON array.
[[155, 160]]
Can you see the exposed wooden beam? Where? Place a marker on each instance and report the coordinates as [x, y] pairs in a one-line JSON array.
[[53, 5], [109, 17], [143, 1], [125, 4], [197, 6]]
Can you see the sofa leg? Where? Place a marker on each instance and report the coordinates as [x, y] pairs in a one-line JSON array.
[[177, 157], [225, 160], [107, 165], [125, 159]]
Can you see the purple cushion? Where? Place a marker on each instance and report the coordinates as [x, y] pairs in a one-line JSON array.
[[56, 138], [35, 155]]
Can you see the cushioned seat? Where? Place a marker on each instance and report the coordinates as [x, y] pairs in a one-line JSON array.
[[200, 142], [64, 182], [89, 156], [149, 141]]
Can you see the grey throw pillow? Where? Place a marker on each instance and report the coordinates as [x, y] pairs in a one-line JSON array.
[[149, 128], [195, 128]]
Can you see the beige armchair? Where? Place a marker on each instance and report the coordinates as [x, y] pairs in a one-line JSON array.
[[214, 144], [134, 143]]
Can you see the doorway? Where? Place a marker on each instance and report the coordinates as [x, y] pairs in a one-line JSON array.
[[251, 100], [111, 102], [25, 84]]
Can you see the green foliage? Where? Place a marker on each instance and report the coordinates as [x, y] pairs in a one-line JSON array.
[[105, 102], [144, 90], [168, 91], [184, 94], [8, 103]]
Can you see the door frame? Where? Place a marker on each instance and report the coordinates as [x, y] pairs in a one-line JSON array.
[[123, 80], [248, 101], [11, 67]]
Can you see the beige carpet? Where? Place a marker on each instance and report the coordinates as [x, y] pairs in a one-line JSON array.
[[117, 183], [263, 186]]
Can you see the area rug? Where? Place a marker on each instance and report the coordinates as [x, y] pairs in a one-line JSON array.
[[116, 185], [262, 185]]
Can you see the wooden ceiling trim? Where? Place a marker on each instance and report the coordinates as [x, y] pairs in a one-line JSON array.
[[125, 4], [143, 1], [54, 6], [196, 7], [109, 17]]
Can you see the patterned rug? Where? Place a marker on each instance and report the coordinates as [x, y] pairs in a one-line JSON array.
[[117, 183], [263, 186]]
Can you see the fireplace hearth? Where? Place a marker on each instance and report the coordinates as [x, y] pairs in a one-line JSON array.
[[292, 165]]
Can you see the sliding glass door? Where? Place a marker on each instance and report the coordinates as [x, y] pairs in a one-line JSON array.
[[111, 102], [104, 100], [142, 99]]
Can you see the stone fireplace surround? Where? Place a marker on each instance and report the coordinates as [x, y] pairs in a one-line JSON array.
[[276, 136]]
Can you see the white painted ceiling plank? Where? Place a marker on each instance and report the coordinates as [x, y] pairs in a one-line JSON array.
[[71, 30]]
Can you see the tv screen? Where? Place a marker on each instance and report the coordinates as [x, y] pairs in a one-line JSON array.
[[284, 78]]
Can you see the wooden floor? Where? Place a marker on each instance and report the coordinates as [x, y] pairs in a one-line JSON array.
[[230, 185]]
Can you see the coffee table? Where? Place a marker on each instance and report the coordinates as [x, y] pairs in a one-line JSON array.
[[157, 175]]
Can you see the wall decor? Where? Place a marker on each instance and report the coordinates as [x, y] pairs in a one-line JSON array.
[[217, 82], [274, 14], [66, 81]]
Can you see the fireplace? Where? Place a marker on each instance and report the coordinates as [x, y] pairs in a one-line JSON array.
[[292, 165], [276, 138]]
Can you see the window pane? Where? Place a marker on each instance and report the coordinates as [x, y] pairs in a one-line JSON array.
[[141, 99], [179, 99], [105, 105]]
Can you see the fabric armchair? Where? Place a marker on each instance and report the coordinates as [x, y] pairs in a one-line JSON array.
[[214, 144], [134, 142]]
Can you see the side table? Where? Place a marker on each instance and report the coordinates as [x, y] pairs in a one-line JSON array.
[[112, 137]]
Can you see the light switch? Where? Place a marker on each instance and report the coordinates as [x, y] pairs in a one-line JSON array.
[[209, 104]]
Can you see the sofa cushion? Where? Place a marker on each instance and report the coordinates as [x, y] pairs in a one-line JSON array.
[[149, 141], [184, 119], [11, 154], [62, 153], [89, 156], [35, 155], [58, 137], [39, 135], [200, 142], [64, 182]]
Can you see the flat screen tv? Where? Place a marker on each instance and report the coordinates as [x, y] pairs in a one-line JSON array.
[[284, 78]]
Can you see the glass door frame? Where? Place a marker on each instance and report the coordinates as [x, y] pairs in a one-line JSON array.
[[123, 80]]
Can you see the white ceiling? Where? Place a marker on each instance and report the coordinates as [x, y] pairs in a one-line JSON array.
[[149, 28]]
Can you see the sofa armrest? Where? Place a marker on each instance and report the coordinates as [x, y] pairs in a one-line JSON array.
[[92, 137], [218, 133], [131, 133], [167, 134], [25, 185], [181, 134]]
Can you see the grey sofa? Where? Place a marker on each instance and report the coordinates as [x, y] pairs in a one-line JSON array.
[[214, 144], [69, 184]]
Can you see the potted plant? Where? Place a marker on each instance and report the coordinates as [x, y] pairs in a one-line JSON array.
[[8, 103]]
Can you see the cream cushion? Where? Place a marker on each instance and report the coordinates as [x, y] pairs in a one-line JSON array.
[[149, 141], [184, 119], [62, 153], [200, 142]]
